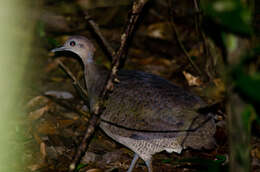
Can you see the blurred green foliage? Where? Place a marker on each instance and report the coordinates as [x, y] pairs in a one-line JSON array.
[[248, 116], [40, 29], [233, 20], [16, 33], [247, 84], [235, 17], [231, 14]]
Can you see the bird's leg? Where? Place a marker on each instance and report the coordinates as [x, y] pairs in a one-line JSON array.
[[133, 163], [149, 165]]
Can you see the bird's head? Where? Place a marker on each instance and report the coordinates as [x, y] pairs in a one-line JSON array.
[[80, 46]]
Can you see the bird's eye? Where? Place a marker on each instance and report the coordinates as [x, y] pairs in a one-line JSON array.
[[72, 43]]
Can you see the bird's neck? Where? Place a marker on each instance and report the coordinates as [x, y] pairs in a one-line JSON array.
[[95, 77]]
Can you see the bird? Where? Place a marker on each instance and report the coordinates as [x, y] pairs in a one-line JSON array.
[[145, 112]]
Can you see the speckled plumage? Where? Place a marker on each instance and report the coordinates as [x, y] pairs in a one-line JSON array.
[[144, 111]]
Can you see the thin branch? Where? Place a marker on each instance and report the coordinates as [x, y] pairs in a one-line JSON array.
[[209, 57], [98, 107], [120, 57], [172, 23], [92, 124], [97, 31], [83, 92], [183, 48], [67, 71], [197, 15]]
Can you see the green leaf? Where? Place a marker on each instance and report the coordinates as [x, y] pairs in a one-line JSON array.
[[80, 166], [248, 84], [231, 14], [220, 159], [166, 160]]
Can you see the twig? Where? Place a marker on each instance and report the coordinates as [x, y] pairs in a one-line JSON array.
[[97, 31], [197, 15], [172, 23], [119, 58], [209, 57], [92, 124], [83, 93], [97, 110]]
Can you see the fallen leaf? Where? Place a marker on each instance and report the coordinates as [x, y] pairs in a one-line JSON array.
[[35, 167], [43, 150], [57, 79], [36, 101], [34, 115], [192, 80], [47, 128], [37, 138], [255, 153], [219, 84], [59, 94], [71, 115], [160, 30], [217, 92], [94, 170], [196, 50], [65, 123]]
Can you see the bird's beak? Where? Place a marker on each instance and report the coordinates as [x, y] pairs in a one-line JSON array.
[[59, 49]]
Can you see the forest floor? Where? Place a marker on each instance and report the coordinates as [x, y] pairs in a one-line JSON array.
[[57, 116]]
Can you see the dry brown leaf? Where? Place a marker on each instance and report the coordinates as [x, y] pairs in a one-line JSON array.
[[196, 50], [37, 138], [34, 115], [94, 170], [37, 100], [47, 128], [35, 167], [219, 84], [143, 61], [43, 150], [255, 153], [215, 92], [57, 79], [218, 92], [72, 115], [160, 30], [65, 123], [192, 80]]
